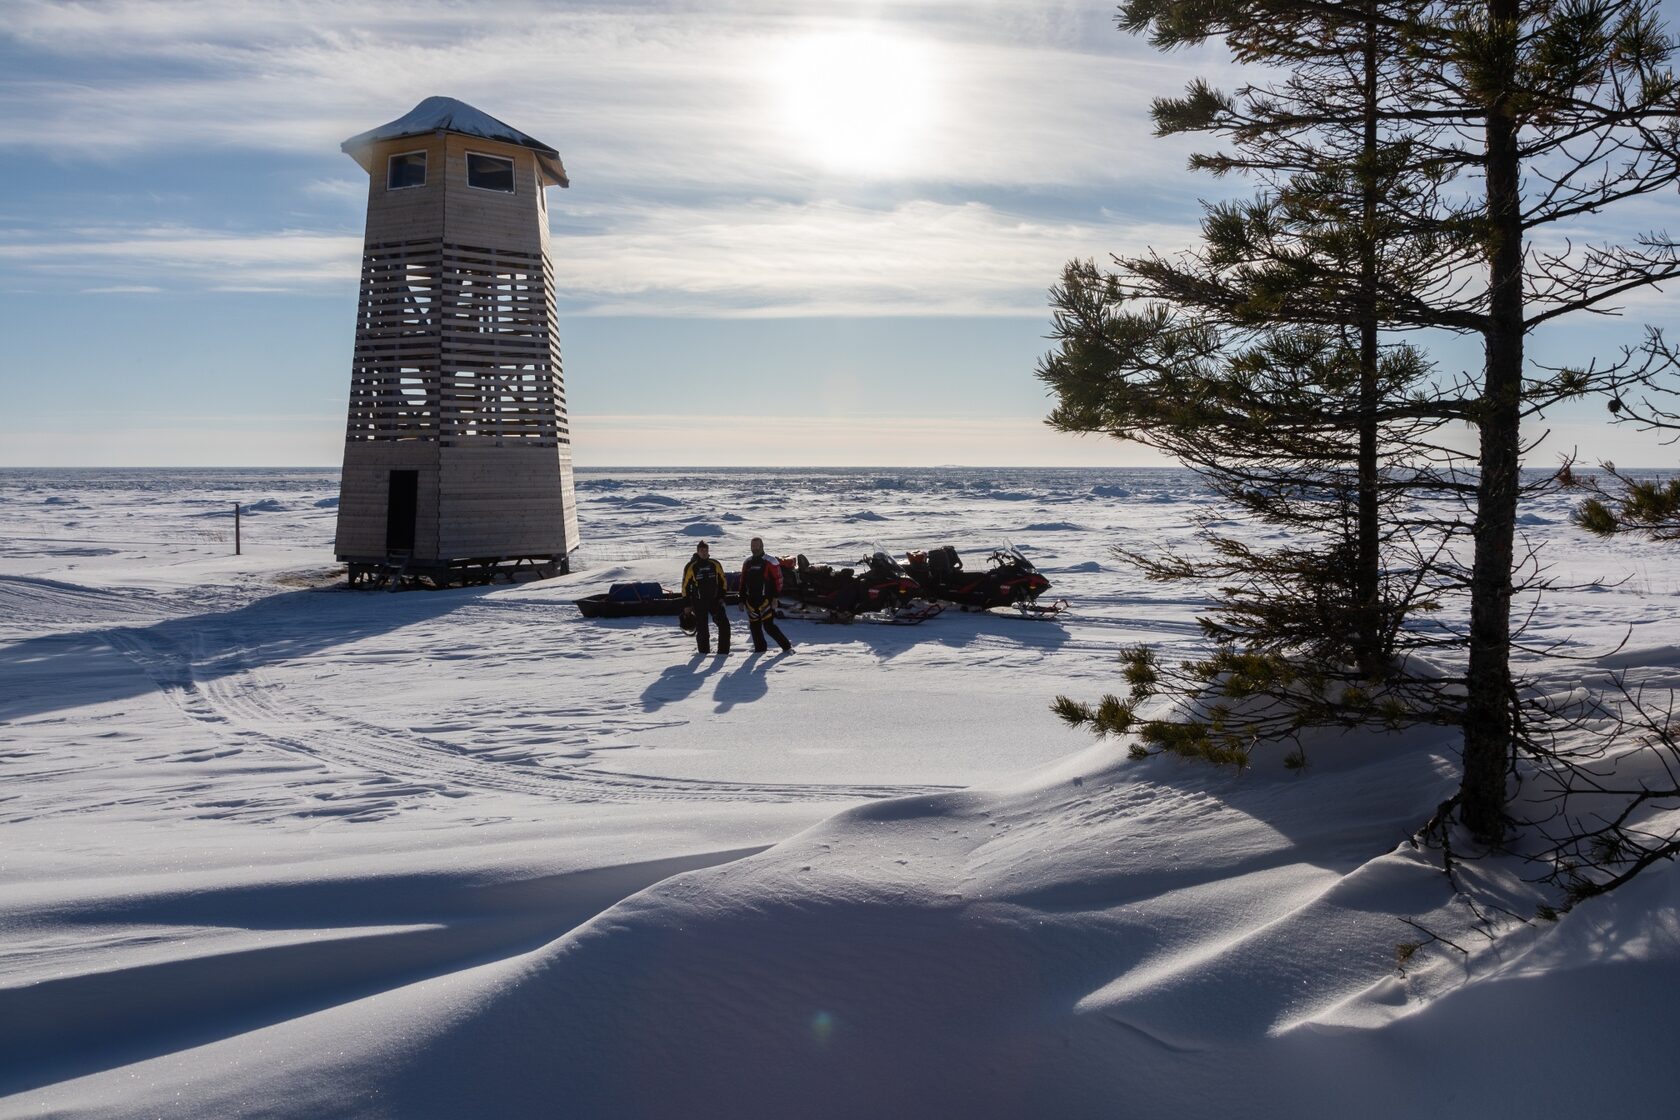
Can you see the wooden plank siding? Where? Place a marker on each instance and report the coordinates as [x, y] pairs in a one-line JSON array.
[[364, 497], [456, 371], [501, 501]]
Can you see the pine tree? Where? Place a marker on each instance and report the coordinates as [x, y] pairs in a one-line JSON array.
[[1646, 506], [1617, 503], [1256, 360], [1578, 110], [1492, 120]]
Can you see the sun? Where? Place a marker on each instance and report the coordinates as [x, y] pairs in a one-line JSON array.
[[855, 102]]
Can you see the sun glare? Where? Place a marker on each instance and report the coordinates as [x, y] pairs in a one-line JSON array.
[[855, 102]]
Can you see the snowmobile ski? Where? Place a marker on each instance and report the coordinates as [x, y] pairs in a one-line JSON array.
[[1036, 610], [909, 615]]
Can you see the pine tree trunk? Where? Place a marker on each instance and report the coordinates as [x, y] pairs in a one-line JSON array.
[[1367, 576], [1488, 713]]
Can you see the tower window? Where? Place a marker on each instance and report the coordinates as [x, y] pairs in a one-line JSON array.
[[407, 169], [489, 173]]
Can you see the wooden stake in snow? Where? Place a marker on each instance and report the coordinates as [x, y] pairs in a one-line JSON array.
[[236, 549]]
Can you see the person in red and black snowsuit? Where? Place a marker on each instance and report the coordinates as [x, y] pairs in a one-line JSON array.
[[761, 582], [705, 587]]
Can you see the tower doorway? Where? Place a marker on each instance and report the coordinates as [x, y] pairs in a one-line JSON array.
[[401, 506]]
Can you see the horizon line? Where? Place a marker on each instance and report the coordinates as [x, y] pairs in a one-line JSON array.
[[730, 467]]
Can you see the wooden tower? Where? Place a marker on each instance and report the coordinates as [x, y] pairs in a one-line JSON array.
[[457, 455]]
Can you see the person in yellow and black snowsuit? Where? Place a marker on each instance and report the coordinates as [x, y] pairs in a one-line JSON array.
[[704, 586], [761, 582]]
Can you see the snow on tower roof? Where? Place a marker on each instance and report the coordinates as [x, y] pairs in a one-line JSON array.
[[445, 114]]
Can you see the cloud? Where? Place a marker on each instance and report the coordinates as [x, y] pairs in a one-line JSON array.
[[602, 441], [341, 190], [637, 96], [130, 257], [752, 259], [830, 258], [841, 440], [697, 190]]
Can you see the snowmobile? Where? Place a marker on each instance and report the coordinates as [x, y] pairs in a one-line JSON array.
[[1010, 580], [877, 586]]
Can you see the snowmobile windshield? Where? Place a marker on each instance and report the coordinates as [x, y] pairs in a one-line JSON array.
[[1009, 554], [882, 561]]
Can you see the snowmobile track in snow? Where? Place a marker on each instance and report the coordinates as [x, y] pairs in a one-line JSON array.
[[237, 697]]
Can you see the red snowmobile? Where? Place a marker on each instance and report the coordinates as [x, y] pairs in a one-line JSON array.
[[1009, 580], [878, 583]]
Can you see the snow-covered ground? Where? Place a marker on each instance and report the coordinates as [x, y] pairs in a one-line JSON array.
[[270, 847]]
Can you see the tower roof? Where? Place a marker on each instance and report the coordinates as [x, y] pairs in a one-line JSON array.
[[445, 114]]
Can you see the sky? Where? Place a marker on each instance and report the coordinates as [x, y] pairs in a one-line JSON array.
[[796, 233]]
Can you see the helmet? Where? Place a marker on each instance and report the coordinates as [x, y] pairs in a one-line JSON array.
[[689, 620]]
